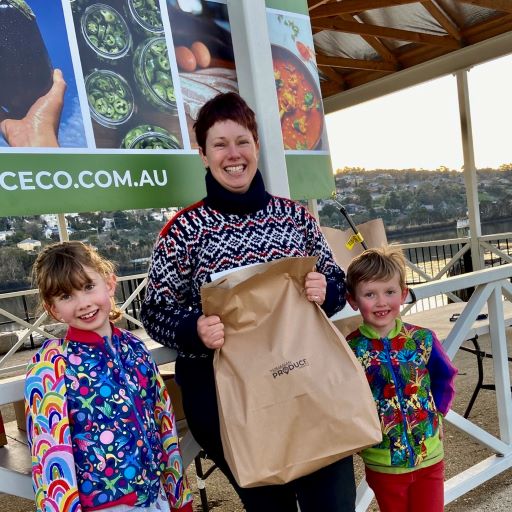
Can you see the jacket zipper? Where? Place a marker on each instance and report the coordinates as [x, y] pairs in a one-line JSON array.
[[400, 400], [122, 375]]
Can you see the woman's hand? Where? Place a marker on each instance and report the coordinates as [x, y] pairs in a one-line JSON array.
[[315, 287], [39, 128], [211, 331]]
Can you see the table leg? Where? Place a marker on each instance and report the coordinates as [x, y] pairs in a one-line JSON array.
[[201, 477], [479, 361], [3, 437]]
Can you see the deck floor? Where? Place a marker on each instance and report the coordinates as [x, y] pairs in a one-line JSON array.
[[15, 454]]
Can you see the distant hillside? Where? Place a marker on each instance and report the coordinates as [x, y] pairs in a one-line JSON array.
[[416, 199]]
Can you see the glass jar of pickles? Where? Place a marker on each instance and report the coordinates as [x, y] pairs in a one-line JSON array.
[[146, 136], [110, 98], [106, 33], [152, 71], [145, 16]]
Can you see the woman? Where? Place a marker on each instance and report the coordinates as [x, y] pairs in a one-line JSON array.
[[236, 224]]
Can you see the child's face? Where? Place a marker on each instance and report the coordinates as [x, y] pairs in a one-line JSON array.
[[379, 303], [87, 309]]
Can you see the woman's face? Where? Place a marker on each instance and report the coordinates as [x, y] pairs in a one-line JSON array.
[[232, 155]]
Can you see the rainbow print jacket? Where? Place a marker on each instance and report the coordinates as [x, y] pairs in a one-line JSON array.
[[100, 426], [411, 379]]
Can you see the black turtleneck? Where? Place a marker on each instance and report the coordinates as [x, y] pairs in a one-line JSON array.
[[221, 199]]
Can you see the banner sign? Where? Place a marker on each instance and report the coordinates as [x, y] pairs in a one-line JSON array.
[[54, 183], [300, 103], [136, 74]]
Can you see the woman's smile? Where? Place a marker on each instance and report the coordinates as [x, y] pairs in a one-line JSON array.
[[231, 154], [235, 170]]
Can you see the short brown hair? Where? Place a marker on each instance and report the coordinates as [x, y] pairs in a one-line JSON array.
[[228, 106], [380, 264], [59, 269]]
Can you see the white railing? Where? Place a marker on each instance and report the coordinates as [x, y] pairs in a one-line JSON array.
[[488, 243], [443, 266], [28, 329], [440, 268], [490, 285]]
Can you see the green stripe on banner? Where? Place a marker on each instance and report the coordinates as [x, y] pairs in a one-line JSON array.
[[296, 6], [34, 184], [59, 183], [310, 176]]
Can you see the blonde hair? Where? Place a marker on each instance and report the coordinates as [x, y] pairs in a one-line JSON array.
[[380, 264], [59, 269]]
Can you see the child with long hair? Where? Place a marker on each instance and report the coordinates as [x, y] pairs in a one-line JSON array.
[[100, 423]]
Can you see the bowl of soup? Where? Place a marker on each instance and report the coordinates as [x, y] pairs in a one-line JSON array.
[[300, 102]]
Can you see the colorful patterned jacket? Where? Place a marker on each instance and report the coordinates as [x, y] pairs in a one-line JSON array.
[[100, 426], [411, 379]]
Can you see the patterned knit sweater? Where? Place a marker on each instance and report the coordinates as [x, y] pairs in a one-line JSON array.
[[222, 232]]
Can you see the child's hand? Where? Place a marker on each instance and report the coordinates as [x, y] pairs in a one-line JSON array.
[[211, 331], [315, 287]]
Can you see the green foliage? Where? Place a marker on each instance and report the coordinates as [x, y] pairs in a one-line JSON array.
[[15, 265], [413, 198]]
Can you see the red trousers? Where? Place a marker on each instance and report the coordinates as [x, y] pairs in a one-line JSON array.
[[418, 491]]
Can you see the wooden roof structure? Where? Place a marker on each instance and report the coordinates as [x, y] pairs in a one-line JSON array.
[[358, 42]]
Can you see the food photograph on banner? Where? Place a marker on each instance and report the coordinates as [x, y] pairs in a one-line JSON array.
[[297, 82], [204, 53], [128, 77], [33, 43]]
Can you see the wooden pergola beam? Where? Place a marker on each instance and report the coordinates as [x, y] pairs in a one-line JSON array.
[[353, 27], [312, 4], [342, 62], [351, 6], [333, 75], [422, 54], [490, 28], [374, 42], [329, 88], [443, 18], [495, 5], [345, 17]]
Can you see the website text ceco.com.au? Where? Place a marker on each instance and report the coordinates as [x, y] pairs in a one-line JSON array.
[[64, 180]]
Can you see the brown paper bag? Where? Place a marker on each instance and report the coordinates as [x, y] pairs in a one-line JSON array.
[[373, 233], [292, 396]]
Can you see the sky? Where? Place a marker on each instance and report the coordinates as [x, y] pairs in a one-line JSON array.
[[419, 127]]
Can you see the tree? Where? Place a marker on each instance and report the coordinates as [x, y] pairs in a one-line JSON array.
[[123, 221], [15, 265], [425, 193], [364, 198], [34, 230], [393, 201], [329, 209], [5, 225]]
